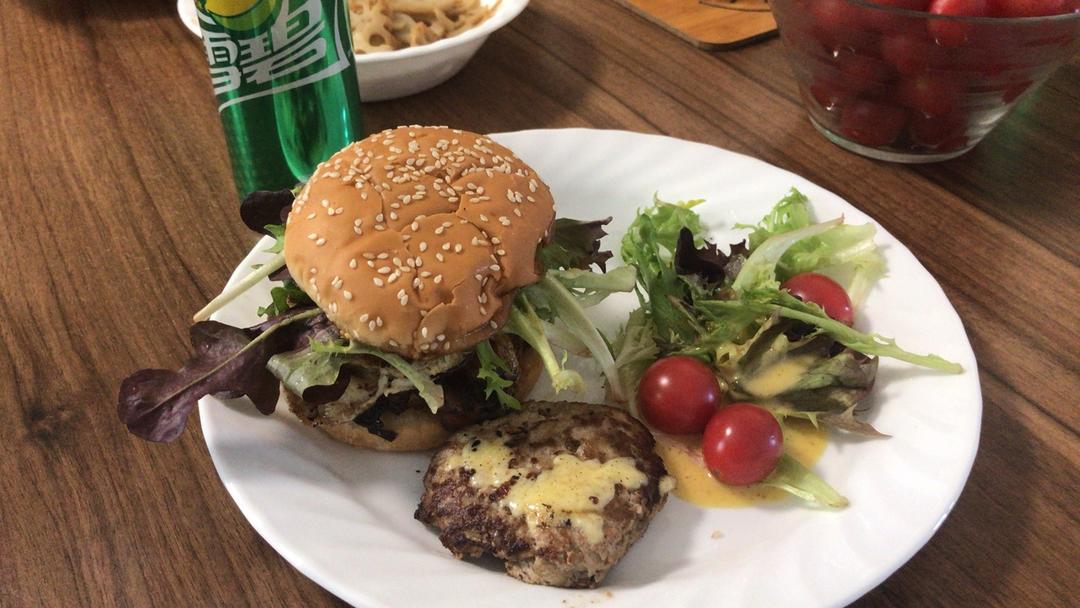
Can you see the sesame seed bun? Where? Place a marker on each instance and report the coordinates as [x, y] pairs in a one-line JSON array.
[[415, 239]]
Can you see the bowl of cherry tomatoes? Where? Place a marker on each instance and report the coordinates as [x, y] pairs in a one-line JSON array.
[[921, 80]]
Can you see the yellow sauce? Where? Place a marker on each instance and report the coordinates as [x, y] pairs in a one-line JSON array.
[[573, 490], [776, 378], [694, 484]]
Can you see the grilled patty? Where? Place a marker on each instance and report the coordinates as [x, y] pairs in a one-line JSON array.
[[558, 491]]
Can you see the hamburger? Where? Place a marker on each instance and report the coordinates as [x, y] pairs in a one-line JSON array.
[[421, 275]]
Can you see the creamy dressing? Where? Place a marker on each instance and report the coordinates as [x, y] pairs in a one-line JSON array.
[[695, 485], [777, 377], [573, 490]]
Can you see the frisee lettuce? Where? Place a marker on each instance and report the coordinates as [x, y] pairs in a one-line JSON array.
[[494, 384], [431, 393], [792, 477]]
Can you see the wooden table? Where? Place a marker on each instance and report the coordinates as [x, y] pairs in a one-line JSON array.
[[119, 219]]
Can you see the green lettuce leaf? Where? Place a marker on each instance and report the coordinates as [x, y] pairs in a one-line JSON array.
[[429, 391], [759, 270], [525, 323], [845, 253], [792, 477], [791, 213], [494, 384]]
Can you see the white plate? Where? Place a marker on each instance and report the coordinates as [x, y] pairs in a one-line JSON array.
[[344, 517], [394, 74]]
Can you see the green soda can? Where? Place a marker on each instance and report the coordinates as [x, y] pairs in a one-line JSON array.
[[285, 83]]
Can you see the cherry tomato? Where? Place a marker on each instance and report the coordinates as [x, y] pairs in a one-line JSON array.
[[886, 21], [871, 123], [907, 54], [936, 131], [1029, 8], [742, 444], [828, 95], [861, 73], [932, 93], [1014, 91], [947, 32], [679, 394], [823, 291]]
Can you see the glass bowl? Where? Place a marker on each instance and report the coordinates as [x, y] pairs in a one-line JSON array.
[[909, 86]]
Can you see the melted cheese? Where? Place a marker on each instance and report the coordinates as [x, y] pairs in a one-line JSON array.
[[695, 485], [572, 490], [776, 378]]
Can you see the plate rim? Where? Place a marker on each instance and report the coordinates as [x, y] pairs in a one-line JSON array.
[[297, 559]]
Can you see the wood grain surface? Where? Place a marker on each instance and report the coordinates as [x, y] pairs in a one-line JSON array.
[[119, 219], [711, 26]]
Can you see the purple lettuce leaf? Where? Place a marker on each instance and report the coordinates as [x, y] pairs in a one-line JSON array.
[[155, 403], [263, 208]]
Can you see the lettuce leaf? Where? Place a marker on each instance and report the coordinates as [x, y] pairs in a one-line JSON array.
[[759, 270], [791, 213], [155, 403], [845, 253], [494, 384], [792, 477], [789, 307], [575, 244], [429, 391], [527, 325]]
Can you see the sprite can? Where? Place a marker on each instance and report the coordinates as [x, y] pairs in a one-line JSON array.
[[285, 83]]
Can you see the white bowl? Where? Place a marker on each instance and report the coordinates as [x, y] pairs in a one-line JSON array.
[[393, 74]]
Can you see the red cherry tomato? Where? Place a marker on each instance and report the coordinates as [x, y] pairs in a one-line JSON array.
[[871, 123], [742, 444], [823, 291], [1014, 91], [679, 394], [829, 96], [1029, 8], [947, 32], [862, 73], [886, 21], [932, 93], [935, 131], [908, 54]]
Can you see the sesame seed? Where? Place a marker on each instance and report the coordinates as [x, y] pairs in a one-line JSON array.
[[439, 256], [393, 215], [320, 242], [458, 248], [505, 221], [352, 263], [313, 270], [370, 264], [404, 300], [371, 325], [378, 321], [378, 282], [347, 294], [425, 274], [493, 324], [333, 307], [364, 317], [483, 218], [393, 277], [419, 262], [478, 277], [383, 256], [392, 343], [441, 337], [369, 256], [423, 332], [517, 212], [379, 218], [379, 227], [311, 216], [384, 270], [312, 236], [494, 267], [423, 246]]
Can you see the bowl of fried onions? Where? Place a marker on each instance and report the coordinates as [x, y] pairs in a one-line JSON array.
[[404, 47]]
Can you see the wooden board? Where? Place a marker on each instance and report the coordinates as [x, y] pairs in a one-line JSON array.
[[712, 25]]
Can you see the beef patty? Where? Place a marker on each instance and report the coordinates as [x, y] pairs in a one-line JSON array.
[[558, 491]]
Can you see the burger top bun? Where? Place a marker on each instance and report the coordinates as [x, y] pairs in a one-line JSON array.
[[415, 239]]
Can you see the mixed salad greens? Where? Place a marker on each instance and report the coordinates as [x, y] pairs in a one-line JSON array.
[[298, 347], [729, 311]]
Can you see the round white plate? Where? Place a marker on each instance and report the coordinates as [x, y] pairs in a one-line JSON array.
[[343, 517]]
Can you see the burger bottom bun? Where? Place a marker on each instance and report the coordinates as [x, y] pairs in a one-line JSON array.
[[417, 429]]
